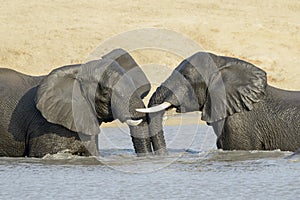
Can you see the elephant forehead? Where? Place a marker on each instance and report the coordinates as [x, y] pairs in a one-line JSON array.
[[100, 71], [199, 66], [123, 84], [204, 60], [178, 84], [123, 58]]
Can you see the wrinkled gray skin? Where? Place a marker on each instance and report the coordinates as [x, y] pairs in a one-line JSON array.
[[245, 112], [63, 110]]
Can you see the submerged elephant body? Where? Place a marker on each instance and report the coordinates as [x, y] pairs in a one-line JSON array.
[[63, 110], [23, 131], [246, 113], [13, 87], [272, 124]]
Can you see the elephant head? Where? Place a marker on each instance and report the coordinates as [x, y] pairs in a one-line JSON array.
[[218, 86], [81, 97]]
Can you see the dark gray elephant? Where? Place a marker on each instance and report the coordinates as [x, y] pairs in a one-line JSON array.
[[63, 110], [245, 112]]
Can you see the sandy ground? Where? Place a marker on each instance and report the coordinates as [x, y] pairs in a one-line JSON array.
[[38, 36]]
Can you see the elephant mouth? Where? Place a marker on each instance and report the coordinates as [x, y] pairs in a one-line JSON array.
[[131, 122], [127, 120], [166, 106]]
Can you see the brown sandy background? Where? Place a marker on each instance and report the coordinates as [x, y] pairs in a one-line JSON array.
[[38, 36]]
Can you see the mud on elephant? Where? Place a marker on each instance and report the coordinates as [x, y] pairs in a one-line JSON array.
[[63, 110], [245, 112]]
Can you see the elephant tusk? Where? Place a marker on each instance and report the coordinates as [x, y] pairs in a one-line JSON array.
[[153, 109], [131, 122]]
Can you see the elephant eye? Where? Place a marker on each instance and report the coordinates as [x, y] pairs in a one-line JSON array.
[[103, 94]]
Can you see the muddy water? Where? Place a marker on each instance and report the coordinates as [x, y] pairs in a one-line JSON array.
[[194, 169]]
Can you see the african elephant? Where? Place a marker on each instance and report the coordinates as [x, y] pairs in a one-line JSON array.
[[245, 112], [64, 109]]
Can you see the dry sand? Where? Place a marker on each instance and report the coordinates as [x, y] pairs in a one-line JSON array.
[[38, 36]]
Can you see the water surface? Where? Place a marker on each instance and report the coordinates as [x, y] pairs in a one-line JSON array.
[[194, 169]]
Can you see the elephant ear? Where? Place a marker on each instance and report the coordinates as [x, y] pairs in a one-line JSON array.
[[124, 59], [234, 88], [60, 100]]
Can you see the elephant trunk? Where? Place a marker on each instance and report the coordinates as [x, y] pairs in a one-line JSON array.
[[140, 139], [155, 121], [139, 133]]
